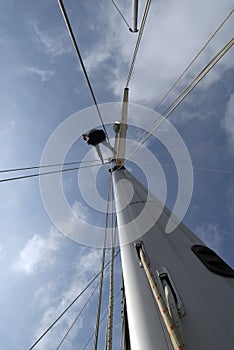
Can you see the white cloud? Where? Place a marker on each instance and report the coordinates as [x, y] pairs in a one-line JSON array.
[[54, 45], [81, 210], [228, 121], [86, 266], [98, 55], [212, 236], [44, 75], [7, 126], [37, 254], [171, 39]]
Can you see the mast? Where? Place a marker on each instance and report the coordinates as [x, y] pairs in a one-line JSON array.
[[179, 293]]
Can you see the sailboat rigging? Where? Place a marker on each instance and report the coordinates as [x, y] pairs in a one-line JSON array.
[[176, 292]]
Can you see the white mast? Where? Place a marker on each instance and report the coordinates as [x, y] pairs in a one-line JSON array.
[[196, 285]]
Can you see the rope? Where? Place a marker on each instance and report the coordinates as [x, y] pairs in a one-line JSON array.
[[102, 319], [47, 173], [146, 11], [102, 270], [185, 93], [111, 292], [168, 321], [75, 320], [67, 22], [70, 305], [120, 13]]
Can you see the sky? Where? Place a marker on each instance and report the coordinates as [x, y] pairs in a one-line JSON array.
[[42, 86]]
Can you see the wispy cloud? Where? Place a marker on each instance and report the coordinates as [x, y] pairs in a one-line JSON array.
[[44, 75], [97, 56], [7, 126], [37, 254], [54, 45], [170, 41], [85, 267]]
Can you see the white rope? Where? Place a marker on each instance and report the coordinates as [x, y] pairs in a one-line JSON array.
[[168, 321]]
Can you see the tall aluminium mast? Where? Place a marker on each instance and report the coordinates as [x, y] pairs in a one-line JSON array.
[[179, 293]]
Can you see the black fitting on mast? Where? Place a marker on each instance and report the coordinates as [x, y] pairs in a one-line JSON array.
[[117, 167]]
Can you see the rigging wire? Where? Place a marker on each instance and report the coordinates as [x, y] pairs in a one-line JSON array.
[[120, 13], [67, 22], [75, 320], [70, 305], [197, 79], [102, 319], [47, 166], [49, 172], [186, 69], [184, 94], [84, 306], [102, 268], [194, 59], [225, 171], [139, 37]]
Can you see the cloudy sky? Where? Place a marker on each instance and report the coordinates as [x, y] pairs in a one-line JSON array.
[[42, 84]]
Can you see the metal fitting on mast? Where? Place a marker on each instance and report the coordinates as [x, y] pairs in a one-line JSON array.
[[120, 129], [134, 16]]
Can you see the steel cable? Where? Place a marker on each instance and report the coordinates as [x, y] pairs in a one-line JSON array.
[[67, 22], [120, 13], [102, 319], [146, 11], [47, 166], [187, 68], [75, 320], [184, 94], [48, 173], [70, 305], [194, 59]]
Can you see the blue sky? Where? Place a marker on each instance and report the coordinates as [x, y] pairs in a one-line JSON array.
[[42, 84]]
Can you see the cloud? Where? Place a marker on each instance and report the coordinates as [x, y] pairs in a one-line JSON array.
[[228, 122], [56, 44], [37, 254], [171, 39], [97, 56], [85, 266], [7, 126], [212, 236], [44, 75]]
